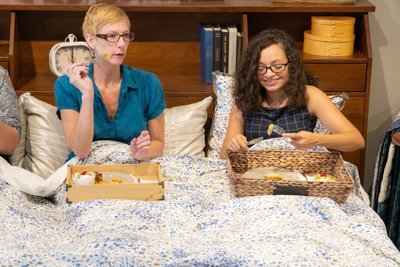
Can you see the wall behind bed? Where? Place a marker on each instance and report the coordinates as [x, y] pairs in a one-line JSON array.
[[385, 81]]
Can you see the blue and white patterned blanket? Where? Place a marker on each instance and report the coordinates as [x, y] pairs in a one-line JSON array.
[[200, 223]]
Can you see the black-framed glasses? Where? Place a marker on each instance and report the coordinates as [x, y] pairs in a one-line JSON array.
[[276, 68], [114, 37]]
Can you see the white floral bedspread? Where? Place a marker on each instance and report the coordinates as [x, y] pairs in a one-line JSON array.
[[200, 223]]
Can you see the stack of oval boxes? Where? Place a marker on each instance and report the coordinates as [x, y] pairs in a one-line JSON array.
[[330, 36]]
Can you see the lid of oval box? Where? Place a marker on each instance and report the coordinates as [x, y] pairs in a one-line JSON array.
[[333, 20], [342, 39]]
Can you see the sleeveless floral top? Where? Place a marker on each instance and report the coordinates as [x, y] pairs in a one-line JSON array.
[[292, 120]]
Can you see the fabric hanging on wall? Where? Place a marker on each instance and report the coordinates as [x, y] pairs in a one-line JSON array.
[[392, 215], [385, 190]]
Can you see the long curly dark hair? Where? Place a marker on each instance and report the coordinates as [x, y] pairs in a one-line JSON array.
[[247, 92]]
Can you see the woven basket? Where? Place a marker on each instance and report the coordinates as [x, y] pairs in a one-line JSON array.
[[305, 162]]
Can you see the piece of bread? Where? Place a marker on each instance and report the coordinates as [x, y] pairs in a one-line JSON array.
[[323, 177], [273, 176]]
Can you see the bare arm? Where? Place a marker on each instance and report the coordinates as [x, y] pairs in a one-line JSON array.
[[150, 144], [79, 126], [396, 138], [10, 126], [9, 139], [344, 135], [234, 138]]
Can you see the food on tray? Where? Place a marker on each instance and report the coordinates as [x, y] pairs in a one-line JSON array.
[[84, 177], [108, 178], [114, 180], [273, 176], [271, 173], [323, 177]]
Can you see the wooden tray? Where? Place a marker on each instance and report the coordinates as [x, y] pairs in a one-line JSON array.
[[135, 191]]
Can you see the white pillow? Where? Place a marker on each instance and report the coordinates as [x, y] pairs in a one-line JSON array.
[[43, 147], [223, 87], [184, 128]]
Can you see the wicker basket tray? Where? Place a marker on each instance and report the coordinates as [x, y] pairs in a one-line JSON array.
[[305, 162]]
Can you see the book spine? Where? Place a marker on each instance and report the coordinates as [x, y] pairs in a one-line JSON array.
[[239, 47], [206, 53], [232, 48], [224, 48], [217, 48]]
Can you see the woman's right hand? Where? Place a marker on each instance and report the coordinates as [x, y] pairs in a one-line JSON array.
[[77, 74], [237, 143]]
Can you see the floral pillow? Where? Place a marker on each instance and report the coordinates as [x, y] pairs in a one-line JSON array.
[[339, 101], [223, 87]]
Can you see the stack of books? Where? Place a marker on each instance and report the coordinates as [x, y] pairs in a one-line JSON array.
[[220, 49]]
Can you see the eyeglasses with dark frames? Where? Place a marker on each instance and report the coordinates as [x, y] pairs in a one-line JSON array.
[[276, 68], [114, 37]]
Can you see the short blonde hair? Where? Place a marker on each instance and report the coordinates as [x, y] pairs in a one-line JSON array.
[[100, 15]]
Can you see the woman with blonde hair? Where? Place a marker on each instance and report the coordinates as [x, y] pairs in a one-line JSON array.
[[108, 100]]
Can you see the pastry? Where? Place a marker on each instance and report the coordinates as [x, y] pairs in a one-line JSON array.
[[271, 173], [270, 129], [323, 177], [273, 176]]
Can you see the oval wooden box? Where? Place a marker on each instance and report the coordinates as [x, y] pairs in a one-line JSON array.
[[328, 46], [332, 26]]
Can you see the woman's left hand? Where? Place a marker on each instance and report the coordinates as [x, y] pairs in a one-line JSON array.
[[396, 138], [302, 140], [140, 145]]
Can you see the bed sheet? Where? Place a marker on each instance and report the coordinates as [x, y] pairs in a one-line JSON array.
[[200, 223]]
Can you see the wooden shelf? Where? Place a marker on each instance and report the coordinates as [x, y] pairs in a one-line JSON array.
[[188, 6]]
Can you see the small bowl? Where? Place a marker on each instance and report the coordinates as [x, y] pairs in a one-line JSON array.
[[84, 179]]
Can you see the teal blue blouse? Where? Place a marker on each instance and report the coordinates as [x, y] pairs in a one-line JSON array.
[[141, 99]]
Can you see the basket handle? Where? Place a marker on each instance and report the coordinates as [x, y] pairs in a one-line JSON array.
[[291, 190]]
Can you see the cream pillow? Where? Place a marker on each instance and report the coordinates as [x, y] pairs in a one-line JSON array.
[[184, 128], [43, 147]]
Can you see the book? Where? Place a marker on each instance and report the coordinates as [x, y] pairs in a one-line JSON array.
[[232, 47], [224, 49], [217, 48], [206, 53], [239, 47]]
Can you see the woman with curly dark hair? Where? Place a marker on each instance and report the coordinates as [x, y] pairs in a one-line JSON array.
[[271, 90]]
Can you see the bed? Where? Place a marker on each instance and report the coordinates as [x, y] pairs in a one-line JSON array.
[[199, 223]]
